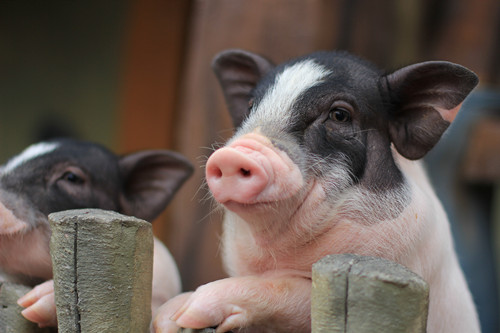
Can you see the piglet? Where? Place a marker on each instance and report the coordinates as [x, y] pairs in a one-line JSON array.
[[69, 174], [323, 161]]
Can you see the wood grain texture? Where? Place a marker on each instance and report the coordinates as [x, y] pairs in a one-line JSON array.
[[103, 265], [365, 294]]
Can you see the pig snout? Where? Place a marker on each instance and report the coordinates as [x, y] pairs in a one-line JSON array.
[[251, 171], [234, 175]]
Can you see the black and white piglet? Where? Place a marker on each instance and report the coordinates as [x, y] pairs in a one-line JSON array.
[[69, 174], [322, 162]]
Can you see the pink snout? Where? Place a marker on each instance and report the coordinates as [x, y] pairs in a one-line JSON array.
[[238, 174]]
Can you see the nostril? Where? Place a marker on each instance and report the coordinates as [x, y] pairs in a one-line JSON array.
[[245, 172], [217, 173]]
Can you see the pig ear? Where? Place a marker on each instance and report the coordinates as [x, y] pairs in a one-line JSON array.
[[238, 72], [426, 98], [151, 178]]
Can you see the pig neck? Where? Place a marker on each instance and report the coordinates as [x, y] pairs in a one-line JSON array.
[[435, 260]]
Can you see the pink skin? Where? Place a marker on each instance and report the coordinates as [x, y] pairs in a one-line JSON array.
[[274, 301], [248, 176], [255, 171], [273, 236], [40, 307]]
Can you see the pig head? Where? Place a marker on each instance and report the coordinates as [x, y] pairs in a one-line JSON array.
[[323, 162], [69, 174]]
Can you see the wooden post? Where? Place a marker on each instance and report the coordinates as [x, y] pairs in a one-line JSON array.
[[103, 265], [355, 294], [11, 320]]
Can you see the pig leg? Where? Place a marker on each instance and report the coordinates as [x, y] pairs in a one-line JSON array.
[[166, 278], [40, 305], [40, 302], [272, 302], [161, 320]]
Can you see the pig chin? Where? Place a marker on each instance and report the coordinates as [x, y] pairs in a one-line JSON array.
[[269, 211]]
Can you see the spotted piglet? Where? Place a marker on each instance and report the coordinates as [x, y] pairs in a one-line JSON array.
[[323, 161], [68, 174]]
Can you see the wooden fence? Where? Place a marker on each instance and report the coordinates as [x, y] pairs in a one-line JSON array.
[[103, 269]]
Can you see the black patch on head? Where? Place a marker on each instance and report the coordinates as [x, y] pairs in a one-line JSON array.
[[352, 85], [90, 173], [401, 108]]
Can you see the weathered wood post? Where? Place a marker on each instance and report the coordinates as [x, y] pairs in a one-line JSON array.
[[103, 265], [356, 294], [11, 320]]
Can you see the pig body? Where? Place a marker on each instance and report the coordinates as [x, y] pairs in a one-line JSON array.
[[323, 162], [69, 174]]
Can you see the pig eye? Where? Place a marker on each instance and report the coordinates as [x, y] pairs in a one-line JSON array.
[[340, 115], [72, 177]]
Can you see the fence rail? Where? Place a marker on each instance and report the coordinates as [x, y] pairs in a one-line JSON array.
[[103, 270]]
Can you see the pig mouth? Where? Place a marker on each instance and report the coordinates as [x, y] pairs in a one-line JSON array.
[[275, 211]]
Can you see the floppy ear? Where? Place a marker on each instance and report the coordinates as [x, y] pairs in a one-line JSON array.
[[150, 180], [238, 72], [426, 98]]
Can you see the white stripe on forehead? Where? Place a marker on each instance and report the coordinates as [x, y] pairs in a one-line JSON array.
[[287, 87], [29, 153]]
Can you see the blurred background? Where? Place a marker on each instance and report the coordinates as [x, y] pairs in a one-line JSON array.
[[135, 74]]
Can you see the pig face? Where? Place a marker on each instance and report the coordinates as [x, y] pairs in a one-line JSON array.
[[318, 140], [68, 174], [322, 163]]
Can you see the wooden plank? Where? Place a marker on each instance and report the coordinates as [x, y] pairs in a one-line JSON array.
[[357, 294], [103, 266]]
